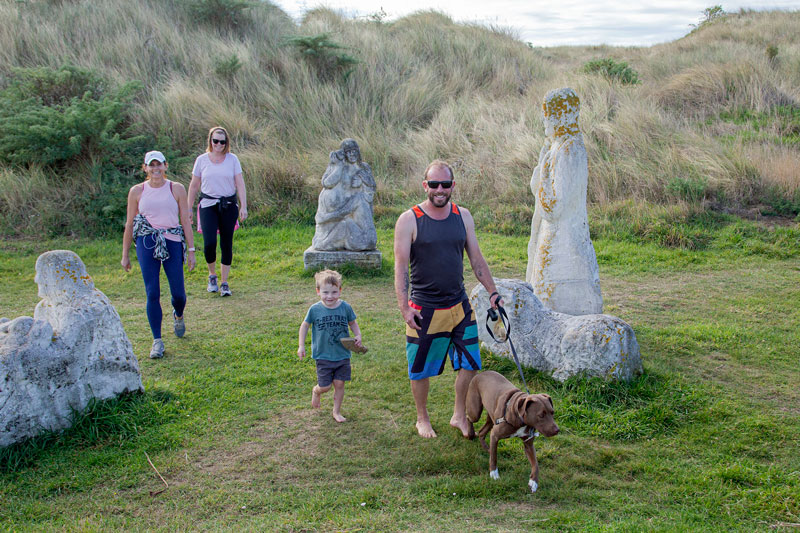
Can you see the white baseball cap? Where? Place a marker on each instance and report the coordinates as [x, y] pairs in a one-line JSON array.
[[155, 154]]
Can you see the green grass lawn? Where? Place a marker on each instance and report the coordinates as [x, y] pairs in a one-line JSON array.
[[707, 439]]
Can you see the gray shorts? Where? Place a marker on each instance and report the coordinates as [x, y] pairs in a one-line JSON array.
[[327, 371]]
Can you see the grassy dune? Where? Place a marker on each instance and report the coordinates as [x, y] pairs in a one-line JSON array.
[[715, 120]]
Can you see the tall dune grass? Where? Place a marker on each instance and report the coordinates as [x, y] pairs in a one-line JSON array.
[[425, 87]]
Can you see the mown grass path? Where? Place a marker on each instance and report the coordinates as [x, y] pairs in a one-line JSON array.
[[707, 439]]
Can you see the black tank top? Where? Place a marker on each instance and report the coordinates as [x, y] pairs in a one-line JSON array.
[[437, 260]]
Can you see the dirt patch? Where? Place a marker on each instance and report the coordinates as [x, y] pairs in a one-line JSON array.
[[269, 452]]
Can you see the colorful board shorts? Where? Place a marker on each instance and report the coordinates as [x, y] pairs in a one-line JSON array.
[[451, 331]]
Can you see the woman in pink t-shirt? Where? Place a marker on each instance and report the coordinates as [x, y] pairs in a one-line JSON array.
[[217, 175]]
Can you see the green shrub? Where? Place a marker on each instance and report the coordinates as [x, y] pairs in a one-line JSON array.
[[70, 122], [327, 57], [220, 14], [226, 68], [612, 69], [690, 189], [711, 14], [772, 53], [50, 116], [55, 87], [780, 202]]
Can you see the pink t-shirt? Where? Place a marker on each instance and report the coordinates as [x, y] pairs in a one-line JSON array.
[[216, 179], [160, 208]]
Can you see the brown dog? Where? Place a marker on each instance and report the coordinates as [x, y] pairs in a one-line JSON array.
[[510, 413]]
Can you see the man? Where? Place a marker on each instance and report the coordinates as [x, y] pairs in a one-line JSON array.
[[431, 238]]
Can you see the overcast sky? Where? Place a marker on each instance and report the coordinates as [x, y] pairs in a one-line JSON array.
[[566, 22]]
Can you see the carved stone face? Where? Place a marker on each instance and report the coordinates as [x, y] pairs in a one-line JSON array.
[[561, 109], [351, 151], [352, 156], [61, 276]]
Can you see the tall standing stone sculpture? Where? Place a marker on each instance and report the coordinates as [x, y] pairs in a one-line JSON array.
[[345, 229], [562, 266], [73, 350]]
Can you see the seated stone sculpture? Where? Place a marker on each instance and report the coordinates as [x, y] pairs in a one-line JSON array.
[[556, 343], [73, 350], [344, 211], [562, 266]]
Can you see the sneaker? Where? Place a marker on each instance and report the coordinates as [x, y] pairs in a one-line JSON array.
[[178, 325], [157, 351], [224, 290], [212, 284]]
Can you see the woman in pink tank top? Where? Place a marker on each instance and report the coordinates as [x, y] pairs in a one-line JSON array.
[[158, 219]]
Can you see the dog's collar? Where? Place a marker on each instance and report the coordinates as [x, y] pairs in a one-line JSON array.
[[528, 435], [502, 419]]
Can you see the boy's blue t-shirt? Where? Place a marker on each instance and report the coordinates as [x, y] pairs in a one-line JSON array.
[[327, 327]]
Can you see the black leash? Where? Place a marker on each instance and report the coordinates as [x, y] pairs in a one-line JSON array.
[[493, 316]]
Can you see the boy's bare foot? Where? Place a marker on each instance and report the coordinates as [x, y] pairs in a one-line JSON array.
[[462, 424], [338, 417], [315, 401], [425, 429]]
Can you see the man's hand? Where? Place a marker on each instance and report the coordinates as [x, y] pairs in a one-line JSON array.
[[301, 352], [498, 301], [412, 317], [357, 339]]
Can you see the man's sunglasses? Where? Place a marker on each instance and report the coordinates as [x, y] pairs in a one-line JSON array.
[[223, 142], [444, 184]]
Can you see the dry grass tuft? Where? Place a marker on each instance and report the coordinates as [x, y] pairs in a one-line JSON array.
[[703, 90]]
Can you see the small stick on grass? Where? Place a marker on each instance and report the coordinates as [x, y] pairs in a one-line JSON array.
[[166, 485]]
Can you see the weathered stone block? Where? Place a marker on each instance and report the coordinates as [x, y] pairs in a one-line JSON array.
[[73, 350], [556, 343]]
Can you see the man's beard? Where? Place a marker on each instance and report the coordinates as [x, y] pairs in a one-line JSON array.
[[438, 201]]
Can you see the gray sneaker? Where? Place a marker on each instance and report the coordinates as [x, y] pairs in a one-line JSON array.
[[157, 351], [212, 284], [178, 325], [224, 290]]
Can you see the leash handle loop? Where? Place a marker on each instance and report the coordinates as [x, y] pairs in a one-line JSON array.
[[492, 315]]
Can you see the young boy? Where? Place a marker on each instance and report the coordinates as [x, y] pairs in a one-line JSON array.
[[329, 319]]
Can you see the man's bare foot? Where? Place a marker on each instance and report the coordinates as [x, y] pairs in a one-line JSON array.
[[315, 401], [338, 417], [464, 425], [425, 429]]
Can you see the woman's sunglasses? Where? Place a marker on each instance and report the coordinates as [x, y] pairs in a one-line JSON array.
[[444, 184], [220, 141]]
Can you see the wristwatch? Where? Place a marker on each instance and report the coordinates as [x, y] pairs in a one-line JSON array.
[[191, 249]]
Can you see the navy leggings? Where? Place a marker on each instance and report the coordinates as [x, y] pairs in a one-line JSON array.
[[151, 270], [212, 218]]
